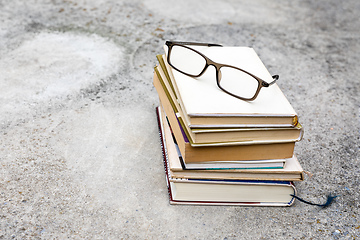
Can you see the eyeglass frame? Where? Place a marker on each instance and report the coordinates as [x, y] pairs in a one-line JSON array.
[[209, 62]]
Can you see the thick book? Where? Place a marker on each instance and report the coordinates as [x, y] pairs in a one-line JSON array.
[[288, 134], [233, 165], [222, 136], [225, 192], [205, 105], [209, 153], [237, 192], [292, 170], [216, 164]]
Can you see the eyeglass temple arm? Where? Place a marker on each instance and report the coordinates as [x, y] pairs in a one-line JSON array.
[[275, 78], [195, 43]]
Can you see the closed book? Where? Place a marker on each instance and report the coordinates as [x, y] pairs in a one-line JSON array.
[[265, 135], [234, 165], [205, 105], [237, 192]]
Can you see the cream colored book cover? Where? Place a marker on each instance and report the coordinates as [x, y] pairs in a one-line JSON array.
[[201, 97]]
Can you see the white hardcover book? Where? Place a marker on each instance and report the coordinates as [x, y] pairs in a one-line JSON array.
[[201, 98]]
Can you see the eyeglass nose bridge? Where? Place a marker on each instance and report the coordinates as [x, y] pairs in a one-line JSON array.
[[217, 67], [208, 63]]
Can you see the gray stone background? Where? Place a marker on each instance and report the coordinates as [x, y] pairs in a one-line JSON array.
[[79, 149]]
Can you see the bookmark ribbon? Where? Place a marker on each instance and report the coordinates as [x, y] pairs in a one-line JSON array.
[[329, 200]]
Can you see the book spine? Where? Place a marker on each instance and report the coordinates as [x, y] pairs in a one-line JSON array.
[[164, 152]]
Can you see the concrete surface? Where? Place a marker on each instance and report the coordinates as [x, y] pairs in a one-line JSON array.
[[79, 149]]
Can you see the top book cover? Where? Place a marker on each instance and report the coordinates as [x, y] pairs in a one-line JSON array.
[[206, 105]]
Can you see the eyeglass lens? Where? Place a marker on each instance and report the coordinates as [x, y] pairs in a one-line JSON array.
[[230, 79], [237, 82], [187, 60]]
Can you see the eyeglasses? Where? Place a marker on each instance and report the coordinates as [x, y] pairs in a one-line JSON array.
[[233, 80]]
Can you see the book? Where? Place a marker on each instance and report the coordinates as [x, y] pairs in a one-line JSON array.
[[216, 165], [237, 192], [222, 136], [291, 171], [270, 135], [205, 105], [242, 164], [214, 155], [225, 192], [193, 154]]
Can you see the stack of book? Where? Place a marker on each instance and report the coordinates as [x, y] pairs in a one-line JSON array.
[[220, 150]]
